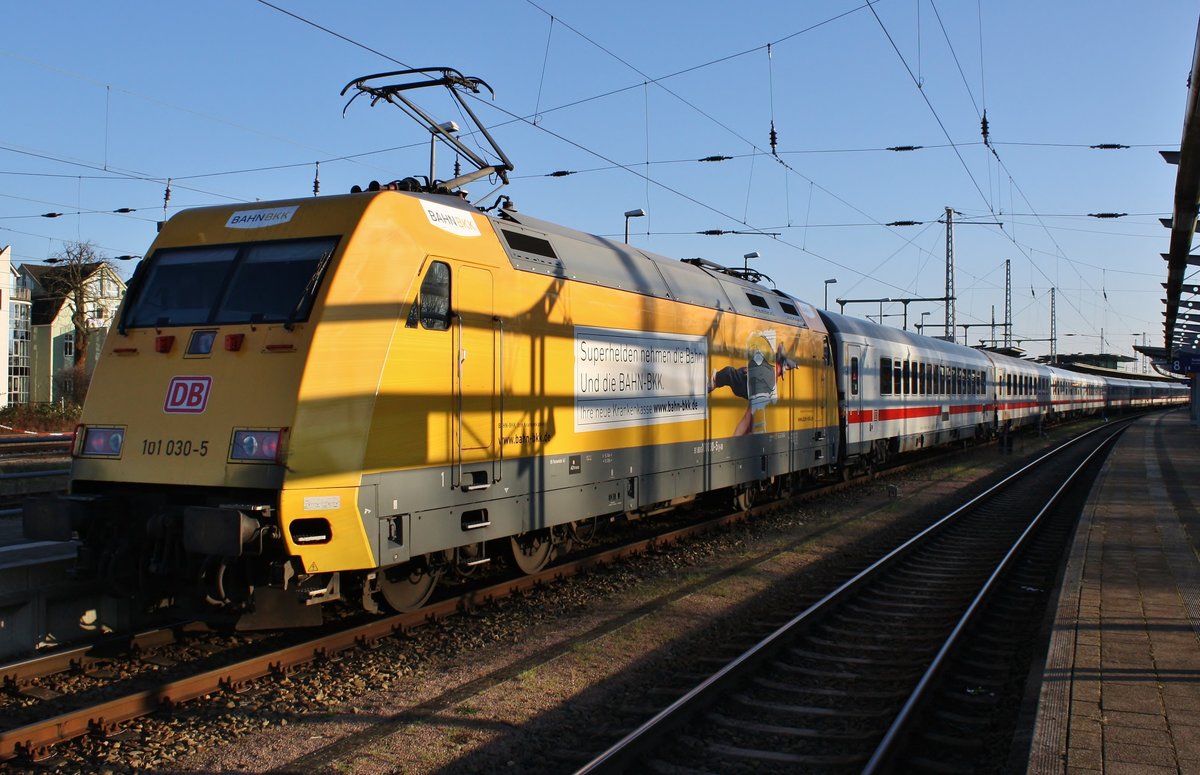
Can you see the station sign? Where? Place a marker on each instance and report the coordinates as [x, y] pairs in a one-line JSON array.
[[1184, 361]]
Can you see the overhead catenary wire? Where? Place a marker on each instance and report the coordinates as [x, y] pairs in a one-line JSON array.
[[542, 78], [646, 176], [966, 168]]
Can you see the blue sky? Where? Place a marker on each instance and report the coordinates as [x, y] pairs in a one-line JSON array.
[[235, 100]]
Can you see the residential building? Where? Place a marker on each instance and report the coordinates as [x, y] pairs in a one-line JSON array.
[[51, 356], [19, 336], [8, 292]]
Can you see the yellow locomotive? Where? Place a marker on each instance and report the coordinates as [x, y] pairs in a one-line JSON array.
[[347, 397]]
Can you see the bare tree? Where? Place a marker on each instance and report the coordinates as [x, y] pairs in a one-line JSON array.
[[73, 278]]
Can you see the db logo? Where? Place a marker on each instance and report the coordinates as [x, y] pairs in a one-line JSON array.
[[187, 395]]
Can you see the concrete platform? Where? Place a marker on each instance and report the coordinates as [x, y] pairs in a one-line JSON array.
[[1120, 689]]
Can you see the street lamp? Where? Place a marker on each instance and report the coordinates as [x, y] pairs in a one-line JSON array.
[[746, 258], [1141, 355], [829, 282], [638, 213]]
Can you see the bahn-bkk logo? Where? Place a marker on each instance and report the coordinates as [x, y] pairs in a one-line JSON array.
[[187, 395], [257, 219]]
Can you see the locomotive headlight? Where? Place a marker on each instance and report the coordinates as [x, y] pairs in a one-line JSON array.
[[256, 446], [102, 442]]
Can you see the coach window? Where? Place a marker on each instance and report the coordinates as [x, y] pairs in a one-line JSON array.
[[885, 376], [433, 305], [907, 375], [854, 376]]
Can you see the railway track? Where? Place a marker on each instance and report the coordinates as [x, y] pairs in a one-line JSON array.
[[39, 455], [52, 713], [902, 667], [95, 688], [36, 445]]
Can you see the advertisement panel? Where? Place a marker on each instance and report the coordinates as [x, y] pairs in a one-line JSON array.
[[625, 378]]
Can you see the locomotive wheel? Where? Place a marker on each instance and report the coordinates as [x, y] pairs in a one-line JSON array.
[[743, 498], [407, 586], [584, 531], [532, 551]]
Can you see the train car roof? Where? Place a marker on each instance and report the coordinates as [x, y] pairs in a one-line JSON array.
[[847, 325], [535, 245]]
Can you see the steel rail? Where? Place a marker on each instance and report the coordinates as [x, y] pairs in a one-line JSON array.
[[34, 740], [620, 756], [15, 674], [889, 745], [45, 440]]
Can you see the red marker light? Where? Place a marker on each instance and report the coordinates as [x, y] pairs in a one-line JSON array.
[[102, 442], [163, 344], [233, 342], [262, 446]]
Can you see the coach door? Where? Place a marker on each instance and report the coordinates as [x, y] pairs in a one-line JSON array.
[[854, 387], [476, 399]]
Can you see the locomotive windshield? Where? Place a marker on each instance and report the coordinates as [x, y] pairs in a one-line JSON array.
[[260, 282]]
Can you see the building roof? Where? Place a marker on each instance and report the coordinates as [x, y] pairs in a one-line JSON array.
[[48, 301]]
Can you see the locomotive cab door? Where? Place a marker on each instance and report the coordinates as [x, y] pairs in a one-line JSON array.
[[476, 396]]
